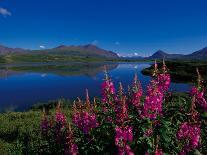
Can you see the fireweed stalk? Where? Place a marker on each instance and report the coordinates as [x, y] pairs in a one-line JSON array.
[[60, 122], [45, 124], [83, 115], [70, 147], [136, 93], [122, 137], [123, 132], [121, 108], [197, 93], [190, 131], [108, 92], [155, 93], [190, 134]]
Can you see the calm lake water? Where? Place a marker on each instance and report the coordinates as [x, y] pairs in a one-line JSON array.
[[23, 85]]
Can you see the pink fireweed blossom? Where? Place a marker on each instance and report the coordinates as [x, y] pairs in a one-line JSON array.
[[148, 132], [85, 121], [108, 92], [60, 118], [122, 137], [121, 110], [155, 94], [164, 81], [45, 125], [190, 133], [158, 151], [153, 102], [199, 97], [136, 92], [60, 123], [70, 147]]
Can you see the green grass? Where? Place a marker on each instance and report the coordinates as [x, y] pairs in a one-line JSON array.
[[20, 131]]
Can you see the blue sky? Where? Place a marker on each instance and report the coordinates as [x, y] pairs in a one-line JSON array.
[[124, 26]]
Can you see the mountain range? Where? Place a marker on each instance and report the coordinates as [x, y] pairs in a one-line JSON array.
[[88, 50], [199, 55]]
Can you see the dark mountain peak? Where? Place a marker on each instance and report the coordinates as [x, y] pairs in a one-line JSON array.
[[159, 55], [160, 52], [205, 48], [90, 47], [200, 54], [61, 46], [88, 50]]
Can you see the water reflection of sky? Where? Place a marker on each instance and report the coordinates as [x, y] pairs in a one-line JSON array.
[[20, 91]]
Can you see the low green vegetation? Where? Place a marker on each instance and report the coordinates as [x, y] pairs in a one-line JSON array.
[[20, 58], [20, 131], [29, 57]]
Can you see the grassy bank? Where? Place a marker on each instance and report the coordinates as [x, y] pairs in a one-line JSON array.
[[29, 57], [20, 131]]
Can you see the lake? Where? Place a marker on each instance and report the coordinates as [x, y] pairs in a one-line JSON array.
[[22, 85]]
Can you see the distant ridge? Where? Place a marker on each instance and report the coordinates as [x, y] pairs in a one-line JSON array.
[[160, 55], [88, 50], [83, 50], [91, 50], [200, 54], [197, 55], [7, 50]]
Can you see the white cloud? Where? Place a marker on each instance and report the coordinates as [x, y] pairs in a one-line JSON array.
[[5, 12], [95, 42], [117, 43], [42, 46], [135, 54]]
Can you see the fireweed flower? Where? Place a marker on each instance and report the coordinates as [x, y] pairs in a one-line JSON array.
[[108, 91], [60, 119], [158, 151], [164, 78], [45, 124], [70, 147], [190, 133], [153, 103], [197, 93], [85, 121], [84, 117], [148, 132], [121, 107], [60, 123], [136, 92], [121, 111], [122, 137], [164, 81], [199, 97], [155, 94]]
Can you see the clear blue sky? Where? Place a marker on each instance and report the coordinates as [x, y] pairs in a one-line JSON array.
[[124, 26]]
